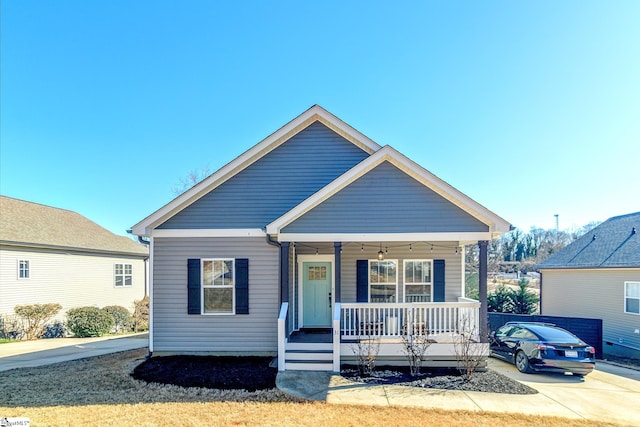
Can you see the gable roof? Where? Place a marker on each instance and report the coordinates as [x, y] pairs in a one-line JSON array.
[[313, 114], [495, 224], [613, 244], [376, 155], [30, 224]]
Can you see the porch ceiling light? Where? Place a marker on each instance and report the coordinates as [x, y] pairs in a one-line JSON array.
[[380, 253]]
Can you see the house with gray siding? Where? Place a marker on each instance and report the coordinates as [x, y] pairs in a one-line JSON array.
[[53, 255], [311, 240], [598, 276]]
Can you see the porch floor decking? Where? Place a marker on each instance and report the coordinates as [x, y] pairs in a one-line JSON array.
[[312, 336]]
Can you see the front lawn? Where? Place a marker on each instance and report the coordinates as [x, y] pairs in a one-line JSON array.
[[101, 391]]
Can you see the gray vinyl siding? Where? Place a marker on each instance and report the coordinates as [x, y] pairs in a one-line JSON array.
[[274, 184], [595, 294], [386, 200], [71, 279], [176, 331]]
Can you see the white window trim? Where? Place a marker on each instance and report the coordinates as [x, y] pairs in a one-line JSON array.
[[626, 283], [124, 275], [21, 260], [233, 288], [385, 283], [404, 279]]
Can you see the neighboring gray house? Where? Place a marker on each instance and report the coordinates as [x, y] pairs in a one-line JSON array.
[[316, 234], [51, 255], [598, 276]]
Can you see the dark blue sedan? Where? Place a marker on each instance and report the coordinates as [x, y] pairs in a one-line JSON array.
[[533, 346]]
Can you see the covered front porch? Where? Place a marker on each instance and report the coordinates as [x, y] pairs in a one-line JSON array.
[[332, 298], [449, 328]]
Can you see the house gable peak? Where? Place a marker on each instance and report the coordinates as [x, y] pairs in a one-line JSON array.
[[314, 114]]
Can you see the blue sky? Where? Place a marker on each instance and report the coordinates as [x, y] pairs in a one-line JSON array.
[[530, 108]]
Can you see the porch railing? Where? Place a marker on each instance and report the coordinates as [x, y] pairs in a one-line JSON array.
[[282, 334], [396, 319]]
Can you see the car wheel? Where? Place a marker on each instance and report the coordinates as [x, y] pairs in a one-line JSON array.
[[522, 362]]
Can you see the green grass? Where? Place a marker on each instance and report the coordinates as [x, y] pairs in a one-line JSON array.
[[6, 340]]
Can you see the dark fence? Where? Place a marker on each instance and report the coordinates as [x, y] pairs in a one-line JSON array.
[[589, 330]]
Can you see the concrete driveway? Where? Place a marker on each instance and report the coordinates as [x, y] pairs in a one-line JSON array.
[[27, 354], [610, 393]]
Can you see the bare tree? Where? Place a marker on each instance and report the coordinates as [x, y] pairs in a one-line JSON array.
[[193, 177], [414, 347], [470, 353], [366, 350]]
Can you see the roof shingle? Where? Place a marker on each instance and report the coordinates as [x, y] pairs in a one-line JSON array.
[[31, 224], [614, 243]]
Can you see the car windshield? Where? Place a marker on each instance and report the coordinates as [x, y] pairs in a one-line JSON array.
[[554, 334]]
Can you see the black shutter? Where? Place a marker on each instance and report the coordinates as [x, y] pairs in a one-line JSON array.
[[193, 286], [362, 280], [242, 286], [438, 280]]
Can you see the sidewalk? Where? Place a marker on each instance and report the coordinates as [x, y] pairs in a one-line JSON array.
[[26, 354], [602, 396]]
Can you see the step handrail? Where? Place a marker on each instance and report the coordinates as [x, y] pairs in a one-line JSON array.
[[282, 319]]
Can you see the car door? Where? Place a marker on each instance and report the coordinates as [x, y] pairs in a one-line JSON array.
[[522, 339], [511, 342], [497, 344]]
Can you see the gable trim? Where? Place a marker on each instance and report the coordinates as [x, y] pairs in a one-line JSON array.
[[495, 223], [273, 141]]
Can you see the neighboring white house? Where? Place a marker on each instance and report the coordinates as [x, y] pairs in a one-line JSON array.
[[598, 276], [51, 255]]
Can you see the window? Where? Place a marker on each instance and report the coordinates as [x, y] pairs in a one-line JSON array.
[[23, 269], [522, 333], [317, 273], [632, 297], [218, 290], [123, 275], [418, 280], [383, 281]]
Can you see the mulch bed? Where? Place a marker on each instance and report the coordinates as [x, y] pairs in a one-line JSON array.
[[444, 379], [254, 373], [238, 373]]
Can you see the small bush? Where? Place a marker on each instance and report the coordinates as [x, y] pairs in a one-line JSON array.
[[11, 327], [141, 315], [54, 330], [89, 321], [35, 317], [499, 301], [123, 320], [366, 350]]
